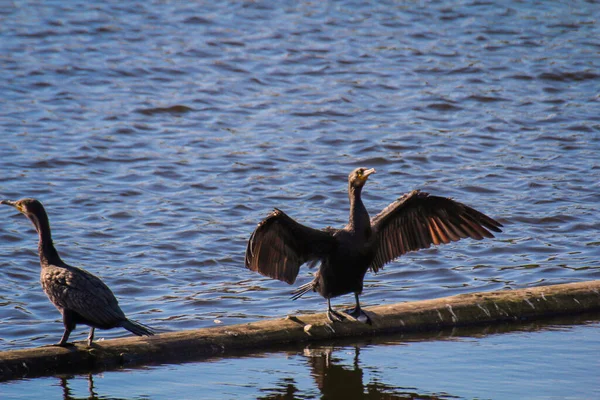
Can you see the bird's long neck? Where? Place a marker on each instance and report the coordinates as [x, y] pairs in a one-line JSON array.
[[46, 250], [359, 217]]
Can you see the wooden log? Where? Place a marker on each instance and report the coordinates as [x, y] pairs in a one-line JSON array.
[[420, 316]]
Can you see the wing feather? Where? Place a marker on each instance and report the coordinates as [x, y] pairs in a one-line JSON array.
[[279, 246], [442, 238], [447, 231], [418, 220]]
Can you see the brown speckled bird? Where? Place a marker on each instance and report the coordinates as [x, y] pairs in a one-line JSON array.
[[279, 245], [80, 296]]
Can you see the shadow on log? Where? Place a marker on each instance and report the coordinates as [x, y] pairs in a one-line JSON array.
[[421, 316]]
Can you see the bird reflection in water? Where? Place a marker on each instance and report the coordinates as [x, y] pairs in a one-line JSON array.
[[68, 393], [92, 394], [338, 381], [335, 380]]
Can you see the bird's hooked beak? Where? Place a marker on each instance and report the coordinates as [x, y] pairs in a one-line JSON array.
[[367, 173], [10, 203], [359, 177]]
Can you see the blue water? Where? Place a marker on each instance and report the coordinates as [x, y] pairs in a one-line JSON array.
[[157, 134]]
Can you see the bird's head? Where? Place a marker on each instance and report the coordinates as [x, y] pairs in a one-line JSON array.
[[29, 207], [359, 176]]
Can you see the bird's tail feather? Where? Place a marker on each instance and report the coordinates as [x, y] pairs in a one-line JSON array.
[[307, 287], [136, 328]]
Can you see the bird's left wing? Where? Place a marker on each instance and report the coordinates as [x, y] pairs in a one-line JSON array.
[[418, 220], [279, 246]]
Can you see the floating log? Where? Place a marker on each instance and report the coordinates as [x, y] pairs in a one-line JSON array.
[[419, 316]]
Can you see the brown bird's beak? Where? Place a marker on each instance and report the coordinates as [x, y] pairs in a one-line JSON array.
[[368, 172], [15, 204]]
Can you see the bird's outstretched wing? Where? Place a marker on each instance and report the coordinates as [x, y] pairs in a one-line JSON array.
[[418, 220], [279, 246]]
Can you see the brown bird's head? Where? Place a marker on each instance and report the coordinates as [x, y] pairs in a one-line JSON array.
[[26, 206], [31, 208], [359, 176]]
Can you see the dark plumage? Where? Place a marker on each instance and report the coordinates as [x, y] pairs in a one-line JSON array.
[[280, 245], [80, 296]]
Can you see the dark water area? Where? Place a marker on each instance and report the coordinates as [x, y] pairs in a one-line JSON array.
[[158, 133]]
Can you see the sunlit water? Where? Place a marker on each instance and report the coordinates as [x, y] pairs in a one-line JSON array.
[[159, 133]]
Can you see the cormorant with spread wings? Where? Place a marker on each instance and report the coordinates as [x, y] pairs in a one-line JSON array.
[[279, 245]]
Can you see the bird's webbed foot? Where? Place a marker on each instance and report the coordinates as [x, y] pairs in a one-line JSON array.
[[353, 312], [334, 316], [358, 314]]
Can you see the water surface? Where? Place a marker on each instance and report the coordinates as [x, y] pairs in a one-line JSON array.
[[159, 133]]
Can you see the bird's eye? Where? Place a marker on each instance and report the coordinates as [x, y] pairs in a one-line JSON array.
[[359, 173]]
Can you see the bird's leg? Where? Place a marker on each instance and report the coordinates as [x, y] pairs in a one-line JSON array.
[[91, 336], [332, 315], [354, 312], [65, 337], [69, 326], [357, 312]]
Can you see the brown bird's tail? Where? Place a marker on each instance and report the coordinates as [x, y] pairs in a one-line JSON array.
[[307, 287], [136, 328]]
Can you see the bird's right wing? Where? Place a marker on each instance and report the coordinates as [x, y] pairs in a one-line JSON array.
[[279, 246]]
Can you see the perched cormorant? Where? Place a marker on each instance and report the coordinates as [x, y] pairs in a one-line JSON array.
[[79, 296], [279, 245]]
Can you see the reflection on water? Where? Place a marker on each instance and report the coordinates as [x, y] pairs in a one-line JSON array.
[[337, 380], [334, 379], [67, 392]]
